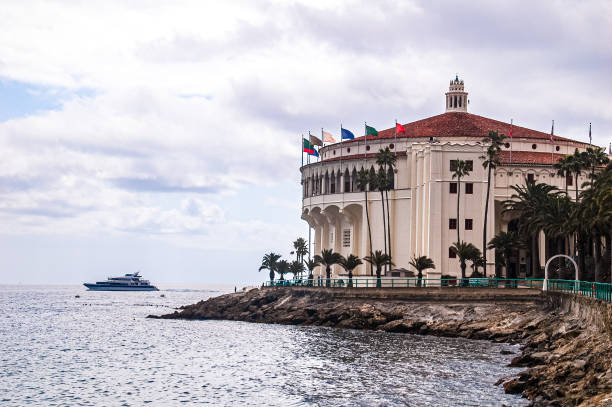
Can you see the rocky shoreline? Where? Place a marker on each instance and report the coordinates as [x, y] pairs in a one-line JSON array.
[[566, 341]]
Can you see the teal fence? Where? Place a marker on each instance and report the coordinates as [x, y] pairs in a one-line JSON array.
[[602, 291]]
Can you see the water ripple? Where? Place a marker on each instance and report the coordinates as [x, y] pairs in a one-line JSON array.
[[100, 349]]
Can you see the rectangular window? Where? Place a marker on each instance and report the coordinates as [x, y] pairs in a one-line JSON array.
[[570, 180], [346, 238], [452, 223], [453, 187], [468, 224], [469, 188], [469, 165], [451, 253], [530, 178]]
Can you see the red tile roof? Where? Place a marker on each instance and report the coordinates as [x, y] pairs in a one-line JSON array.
[[528, 157], [462, 124]]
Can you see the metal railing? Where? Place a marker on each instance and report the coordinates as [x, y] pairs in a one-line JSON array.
[[602, 291]]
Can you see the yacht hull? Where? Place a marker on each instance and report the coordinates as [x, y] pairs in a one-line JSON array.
[[95, 287]]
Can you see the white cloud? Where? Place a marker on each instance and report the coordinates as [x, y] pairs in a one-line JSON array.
[[187, 103]]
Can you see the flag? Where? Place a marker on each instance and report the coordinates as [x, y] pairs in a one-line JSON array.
[[510, 132], [346, 135], [328, 138], [552, 131], [314, 152], [307, 147], [315, 141], [399, 129], [371, 131]]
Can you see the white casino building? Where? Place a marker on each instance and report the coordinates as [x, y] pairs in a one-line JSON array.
[[423, 202]]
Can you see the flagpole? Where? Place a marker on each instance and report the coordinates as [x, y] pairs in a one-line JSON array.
[[302, 148], [511, 137], [552, 148], [590, 135], [365, 156], [395, 139]]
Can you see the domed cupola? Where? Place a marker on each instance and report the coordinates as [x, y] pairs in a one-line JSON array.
[[456, 97]]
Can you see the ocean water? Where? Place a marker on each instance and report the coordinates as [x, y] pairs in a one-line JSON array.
[[100, 350]]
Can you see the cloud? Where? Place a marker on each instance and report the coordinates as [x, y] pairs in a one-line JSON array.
[[160, 121]]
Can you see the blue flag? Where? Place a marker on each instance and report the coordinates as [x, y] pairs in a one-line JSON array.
[[314, 152], [347, 135]]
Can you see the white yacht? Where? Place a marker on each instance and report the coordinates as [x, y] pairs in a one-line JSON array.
[[129, 282]]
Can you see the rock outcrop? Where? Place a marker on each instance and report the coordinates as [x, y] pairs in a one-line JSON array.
[[566, 341]]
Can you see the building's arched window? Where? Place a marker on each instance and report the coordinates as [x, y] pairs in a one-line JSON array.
[[354, 180], [391, 178], [455, 103], [460, 101], [338, 182], [326, 186], [332, 184], [347, 181]]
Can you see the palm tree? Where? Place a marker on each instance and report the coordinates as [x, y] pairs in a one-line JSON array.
[[311, 264], [491, 161], [282, 267], [379, 259], [595, 215], [421, 263], [575, 164], [464, 251], [460, 171], [593, 158], [269, 262], [381, 184], [505, 243], [528, 203], [349, 263], [296, 268], [301, 248], [327, 258], [363, 179], [387, 160], [563, 169]]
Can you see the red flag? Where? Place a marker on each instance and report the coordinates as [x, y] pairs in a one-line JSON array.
[[510, 132], [399, 128]]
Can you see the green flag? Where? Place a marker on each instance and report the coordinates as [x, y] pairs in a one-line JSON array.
[[371, 131]]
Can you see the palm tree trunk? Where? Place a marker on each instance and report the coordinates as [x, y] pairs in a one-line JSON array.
[[328, 275], [388, 222], [378, 284], [597, 257], [609, 246], [535, 256], [369, 230], [350, 282], [458, 199], [484, 229], [382, 203]]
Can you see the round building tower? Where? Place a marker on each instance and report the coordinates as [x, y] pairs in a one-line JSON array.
[[456, 97]]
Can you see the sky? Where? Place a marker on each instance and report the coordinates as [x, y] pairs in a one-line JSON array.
[[164, 136]]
